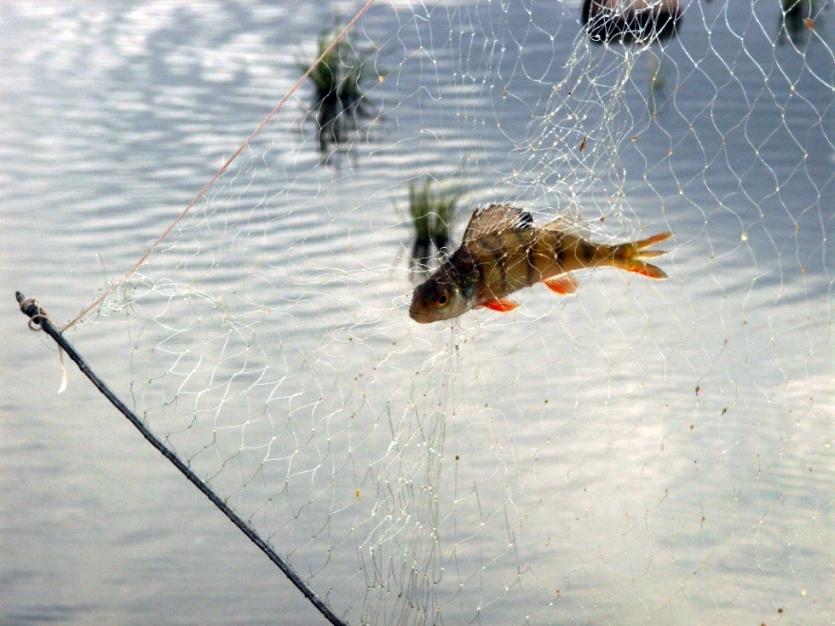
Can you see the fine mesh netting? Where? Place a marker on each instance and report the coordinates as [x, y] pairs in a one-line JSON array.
[[641, 452]]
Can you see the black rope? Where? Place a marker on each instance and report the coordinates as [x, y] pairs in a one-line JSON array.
[[39, 320]]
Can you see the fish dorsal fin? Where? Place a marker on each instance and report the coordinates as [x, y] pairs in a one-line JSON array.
[[496, 218], [565, 224]]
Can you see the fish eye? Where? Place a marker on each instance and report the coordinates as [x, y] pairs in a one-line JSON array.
[[442, 300]]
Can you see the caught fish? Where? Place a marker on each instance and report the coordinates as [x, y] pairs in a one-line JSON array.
[[503, 251]]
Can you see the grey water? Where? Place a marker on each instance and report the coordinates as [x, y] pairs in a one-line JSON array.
[[654, 453]]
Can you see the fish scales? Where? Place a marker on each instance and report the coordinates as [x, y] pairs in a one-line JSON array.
[[490, 254], [511, 260], [503, 259]]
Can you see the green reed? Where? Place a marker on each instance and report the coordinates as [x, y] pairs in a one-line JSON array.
[[432, 213], [337, 79]]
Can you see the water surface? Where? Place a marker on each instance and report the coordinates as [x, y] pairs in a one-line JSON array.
[[640, 453]]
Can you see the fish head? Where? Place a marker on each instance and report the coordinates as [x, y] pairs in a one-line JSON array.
[[435, 300]]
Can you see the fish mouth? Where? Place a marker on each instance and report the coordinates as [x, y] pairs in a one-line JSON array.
[[416, 314]]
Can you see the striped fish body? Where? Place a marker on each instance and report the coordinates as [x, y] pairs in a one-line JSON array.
[[502, 252], [510, 260]]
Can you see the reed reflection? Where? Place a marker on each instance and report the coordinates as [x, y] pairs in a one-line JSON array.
[[339, 99]]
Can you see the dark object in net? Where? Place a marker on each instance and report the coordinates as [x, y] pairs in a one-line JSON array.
[[630, 21], [796, 21]]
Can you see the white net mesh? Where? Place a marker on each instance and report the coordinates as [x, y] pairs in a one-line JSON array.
[[640, 453]]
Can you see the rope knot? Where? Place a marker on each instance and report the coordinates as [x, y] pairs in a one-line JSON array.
[[37, 314]]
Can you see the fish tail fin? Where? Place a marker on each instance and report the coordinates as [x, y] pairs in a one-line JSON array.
[[651, 241], [629, 256]]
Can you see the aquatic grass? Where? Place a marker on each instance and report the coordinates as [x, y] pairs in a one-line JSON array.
[[432, 216], [339, 101], [420, 207], [444, 212], [337, 79]]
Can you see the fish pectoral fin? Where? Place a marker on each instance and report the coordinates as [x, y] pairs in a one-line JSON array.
[[563, 285], [501, 305]]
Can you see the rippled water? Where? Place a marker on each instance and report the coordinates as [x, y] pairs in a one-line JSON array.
[[642, 453]]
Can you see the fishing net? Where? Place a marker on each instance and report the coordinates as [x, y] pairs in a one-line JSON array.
[[641, 452]]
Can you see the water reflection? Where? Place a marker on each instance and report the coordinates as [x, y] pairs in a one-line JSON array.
[[578, 465]]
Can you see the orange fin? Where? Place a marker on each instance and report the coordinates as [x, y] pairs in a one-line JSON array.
[[645, 269], [651, 241], [563, 285], [500, 305], [638, 250]]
